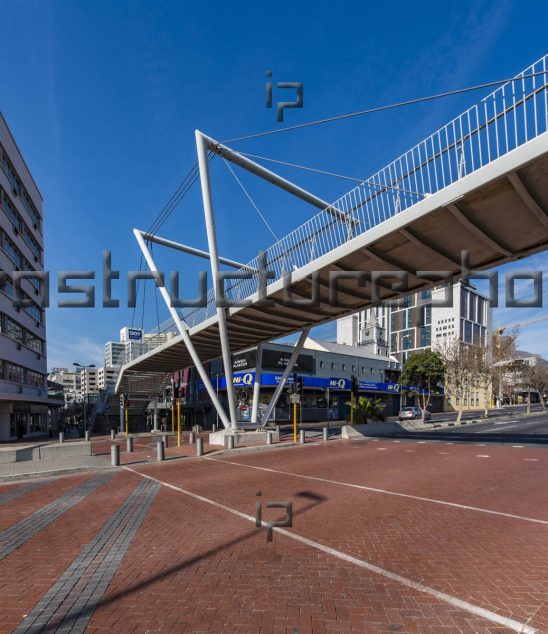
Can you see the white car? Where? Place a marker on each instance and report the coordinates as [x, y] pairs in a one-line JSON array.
[[412, 413]]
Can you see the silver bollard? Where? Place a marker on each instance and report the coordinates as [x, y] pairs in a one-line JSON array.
[[115, 455], [112, 434], [191, 438], [325, 433], [61, 436], [213, 428], [268, 437], [129, 444], [301, 438], [278, 429], [88, 436], [199, 447], [230, 440], [159, 451], [165, 440]]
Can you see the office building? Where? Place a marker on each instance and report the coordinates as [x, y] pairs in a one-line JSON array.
[[23, 387]]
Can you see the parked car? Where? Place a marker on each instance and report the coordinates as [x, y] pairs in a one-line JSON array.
[[412, 413]]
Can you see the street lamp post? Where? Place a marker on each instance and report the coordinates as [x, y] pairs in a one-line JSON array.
[[85, 368]]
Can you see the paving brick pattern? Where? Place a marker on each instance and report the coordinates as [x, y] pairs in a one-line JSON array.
[[13, 494], [16, 535], [70, 602], [195, 567]]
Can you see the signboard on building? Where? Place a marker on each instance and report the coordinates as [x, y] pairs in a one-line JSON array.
[[244, 360], [278, 360], [135, 334]]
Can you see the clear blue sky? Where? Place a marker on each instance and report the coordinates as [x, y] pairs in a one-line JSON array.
[[103, 98]]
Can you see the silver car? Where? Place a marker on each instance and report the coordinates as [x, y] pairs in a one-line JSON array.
[[412, 413]]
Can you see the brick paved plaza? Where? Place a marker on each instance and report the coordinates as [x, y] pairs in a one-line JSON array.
[[387, 536]]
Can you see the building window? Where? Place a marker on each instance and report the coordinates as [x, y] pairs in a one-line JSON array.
[[343, 366], [425, 337], [406, 341], [15, 373], [332, 366], [321, 364]]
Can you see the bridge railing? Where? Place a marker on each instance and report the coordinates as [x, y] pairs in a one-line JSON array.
[[513, 114]]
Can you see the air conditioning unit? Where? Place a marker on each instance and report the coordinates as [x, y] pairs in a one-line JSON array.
[[18, 346]]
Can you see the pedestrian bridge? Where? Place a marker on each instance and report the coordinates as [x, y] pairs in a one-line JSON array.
[[479, 184]]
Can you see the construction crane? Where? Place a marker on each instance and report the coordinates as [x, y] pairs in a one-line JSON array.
[[500, 331]]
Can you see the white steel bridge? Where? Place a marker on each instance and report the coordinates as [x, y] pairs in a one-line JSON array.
[[479, 184]]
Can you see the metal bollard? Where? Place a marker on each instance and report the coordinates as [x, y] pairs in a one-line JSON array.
[[302, 439], [112, 434], [325, 433], [88, 436], [213, 428], [159, 451], [61, 436], [230, 440], [165, 440], [268, 437], [191, 438], [115, 455], [278, 429], [199, 447], [129, 444]]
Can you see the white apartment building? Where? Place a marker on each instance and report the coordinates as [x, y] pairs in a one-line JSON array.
[[106, 377], [70, 382], [89, 381], [23, 389], [115, 354]]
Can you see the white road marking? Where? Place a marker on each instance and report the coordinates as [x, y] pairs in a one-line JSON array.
[[384, 491], [482, 455], [518, 446], [477, 611], [410, 450], [507, 422], [531, 459], [443, 453], [381, 448]]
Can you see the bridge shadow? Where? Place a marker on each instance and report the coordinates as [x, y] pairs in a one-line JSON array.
[[87, 612]]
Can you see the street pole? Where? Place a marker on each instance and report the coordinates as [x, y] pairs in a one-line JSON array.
[[172, 414], [295, 422], [178, 422], [126, 419], [352, 407]]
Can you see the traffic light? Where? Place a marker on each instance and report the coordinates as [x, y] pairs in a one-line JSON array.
[[182, 393], [298, 383], [355, 386], [126, 402], [175, 392]]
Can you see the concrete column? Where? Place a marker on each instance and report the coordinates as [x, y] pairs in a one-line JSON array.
[[230, 440], [302, 437], [129, 444], [115, 455], [159, 451], [269, 438], [214, 428], [61, 436], [122, 424], [325, 431], [165, 440], [199, 447]]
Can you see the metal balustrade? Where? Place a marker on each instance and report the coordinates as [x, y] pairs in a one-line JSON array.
[[513, 114]]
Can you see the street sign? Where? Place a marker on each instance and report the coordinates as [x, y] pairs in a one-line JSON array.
[[294, 398]]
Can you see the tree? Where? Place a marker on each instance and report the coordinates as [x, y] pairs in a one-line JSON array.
[[367, 409], [423, 372], [458, 359], [538, 378]]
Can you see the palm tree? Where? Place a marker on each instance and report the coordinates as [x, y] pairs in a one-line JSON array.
[[366, 409]]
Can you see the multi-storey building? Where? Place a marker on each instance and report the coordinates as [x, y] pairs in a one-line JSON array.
[[418, 323], [23, 388], [115, 353], [106, 377], [89, 381], [70, 382]]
